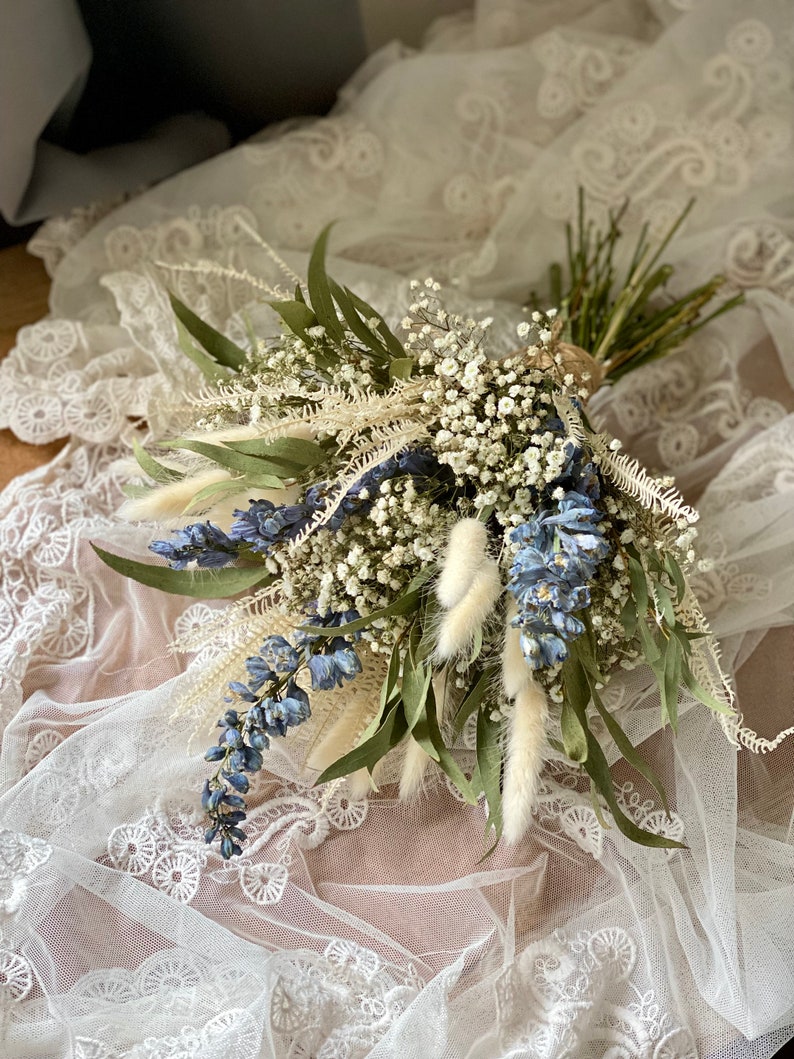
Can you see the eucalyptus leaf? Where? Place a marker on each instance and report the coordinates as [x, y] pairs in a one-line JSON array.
[[598, 770], [573, 716], [426, 733], [258, 473], [628, 750], [401, 368], [206, 364], [671, 680], [702, 695], [390, 691], [320, 289], [229, 485], [408, 602], [157, 471], [297, 316], [284, 457], [392, 343], [369, 753], [474, 697], [664, 602], [414, 688], [639, 584], [489, 765], [219, 347], [201, 584], [357, 325]]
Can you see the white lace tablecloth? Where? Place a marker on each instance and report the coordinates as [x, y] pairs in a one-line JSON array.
[[372, 928]]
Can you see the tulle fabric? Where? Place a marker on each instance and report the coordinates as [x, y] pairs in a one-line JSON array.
[[357, 928]]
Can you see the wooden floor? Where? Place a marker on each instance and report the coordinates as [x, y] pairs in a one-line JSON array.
[[24, 290]]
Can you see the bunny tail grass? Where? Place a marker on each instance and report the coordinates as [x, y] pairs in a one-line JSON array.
[[524, 759], [462, 622], [463, 558]]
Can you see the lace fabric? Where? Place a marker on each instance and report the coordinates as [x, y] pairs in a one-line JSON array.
[[356, 928]]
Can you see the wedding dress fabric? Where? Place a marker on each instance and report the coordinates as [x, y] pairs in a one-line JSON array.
[[373, 928]]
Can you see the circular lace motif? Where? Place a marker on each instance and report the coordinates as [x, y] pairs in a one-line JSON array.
[[40, 745], [580, 823], [344, 813], [363, 155], [177, 874], [178, 239], [132, 849], [93, 418], [37, 418], [115, 986], [264, 884], [464, 195], [678, 444], [614, 947], [750, 41], [349, 957], [54, 798], [48, 340], [676, 1045], [173, 971], [124, 246], [728, 140], [555, 98], [634, 122], [16, 977]]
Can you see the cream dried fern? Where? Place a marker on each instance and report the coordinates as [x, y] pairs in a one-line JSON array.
[[630, 476]]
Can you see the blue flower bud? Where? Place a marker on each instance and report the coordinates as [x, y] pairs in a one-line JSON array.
[[258, 739], [237, 780]]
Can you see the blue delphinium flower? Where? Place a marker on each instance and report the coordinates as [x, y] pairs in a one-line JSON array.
[[264, 524], [560, 551], [280, 655], [274, 702], [203, 543]]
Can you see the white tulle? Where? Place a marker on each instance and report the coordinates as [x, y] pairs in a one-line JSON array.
[[357, 926]]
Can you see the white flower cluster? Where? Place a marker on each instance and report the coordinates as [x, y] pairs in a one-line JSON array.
[[368, 561], [490, 417]]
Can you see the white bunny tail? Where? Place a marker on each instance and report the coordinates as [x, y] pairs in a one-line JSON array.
[[464, 556], [462, 622], [524, 760]]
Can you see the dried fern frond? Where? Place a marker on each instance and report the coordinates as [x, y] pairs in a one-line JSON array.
[[630, 476], [572, 420], [212, 268]]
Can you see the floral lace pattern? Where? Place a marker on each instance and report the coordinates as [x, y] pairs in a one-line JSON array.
[[564, 808], [165, 985], [656, 153], [47, 605], [311, 989], [693, 404], [583, 997], [169, 852]]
